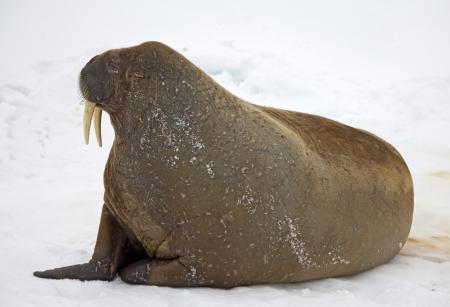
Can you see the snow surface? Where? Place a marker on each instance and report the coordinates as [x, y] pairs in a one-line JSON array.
[[383, 66]]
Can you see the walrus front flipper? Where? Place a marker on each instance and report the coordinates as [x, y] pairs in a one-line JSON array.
[[112, 251], [158, 272]]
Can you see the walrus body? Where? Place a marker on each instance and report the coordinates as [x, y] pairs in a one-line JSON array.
[[205, 189]]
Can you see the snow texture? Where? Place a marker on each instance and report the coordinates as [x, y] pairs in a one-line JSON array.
[[383, 66]]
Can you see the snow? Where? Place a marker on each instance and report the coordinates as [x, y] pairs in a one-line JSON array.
[[382, 66]]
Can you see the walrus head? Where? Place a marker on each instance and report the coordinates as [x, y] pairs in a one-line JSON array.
[[117, 82], [97, 84]]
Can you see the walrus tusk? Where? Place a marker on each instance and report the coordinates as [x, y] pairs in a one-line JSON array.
[[90, 110], [98, 125], [87, 118]]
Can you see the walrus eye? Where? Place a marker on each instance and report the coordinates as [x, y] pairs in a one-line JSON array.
[[112, 67]]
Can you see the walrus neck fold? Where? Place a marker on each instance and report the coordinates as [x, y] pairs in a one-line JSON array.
[[123, 126]]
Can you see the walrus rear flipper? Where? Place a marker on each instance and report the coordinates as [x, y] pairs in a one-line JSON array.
[[112, 251], [158, 272]]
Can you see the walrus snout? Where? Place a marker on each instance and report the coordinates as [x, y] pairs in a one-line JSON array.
[[96, 87], [95, 83]]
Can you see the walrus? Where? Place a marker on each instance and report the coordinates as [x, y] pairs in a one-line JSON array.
[[203, 188]]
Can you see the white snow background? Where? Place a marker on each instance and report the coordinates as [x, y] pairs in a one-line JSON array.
[[383, 66]]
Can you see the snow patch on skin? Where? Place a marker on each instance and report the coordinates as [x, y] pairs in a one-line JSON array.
[[339, 260], [209, 169], [248, 200], [180, 122], [188, 84], [198, 145], [177, 135], [298, 247], [185, 128], [172, 161], [192, 272], [335, 256]]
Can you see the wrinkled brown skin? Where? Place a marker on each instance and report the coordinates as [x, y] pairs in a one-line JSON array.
[[205, 189]]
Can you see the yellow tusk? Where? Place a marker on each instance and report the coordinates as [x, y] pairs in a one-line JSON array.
[[87, 118], [98, 125]]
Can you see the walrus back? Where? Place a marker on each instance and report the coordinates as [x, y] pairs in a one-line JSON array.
[[366, 197]]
